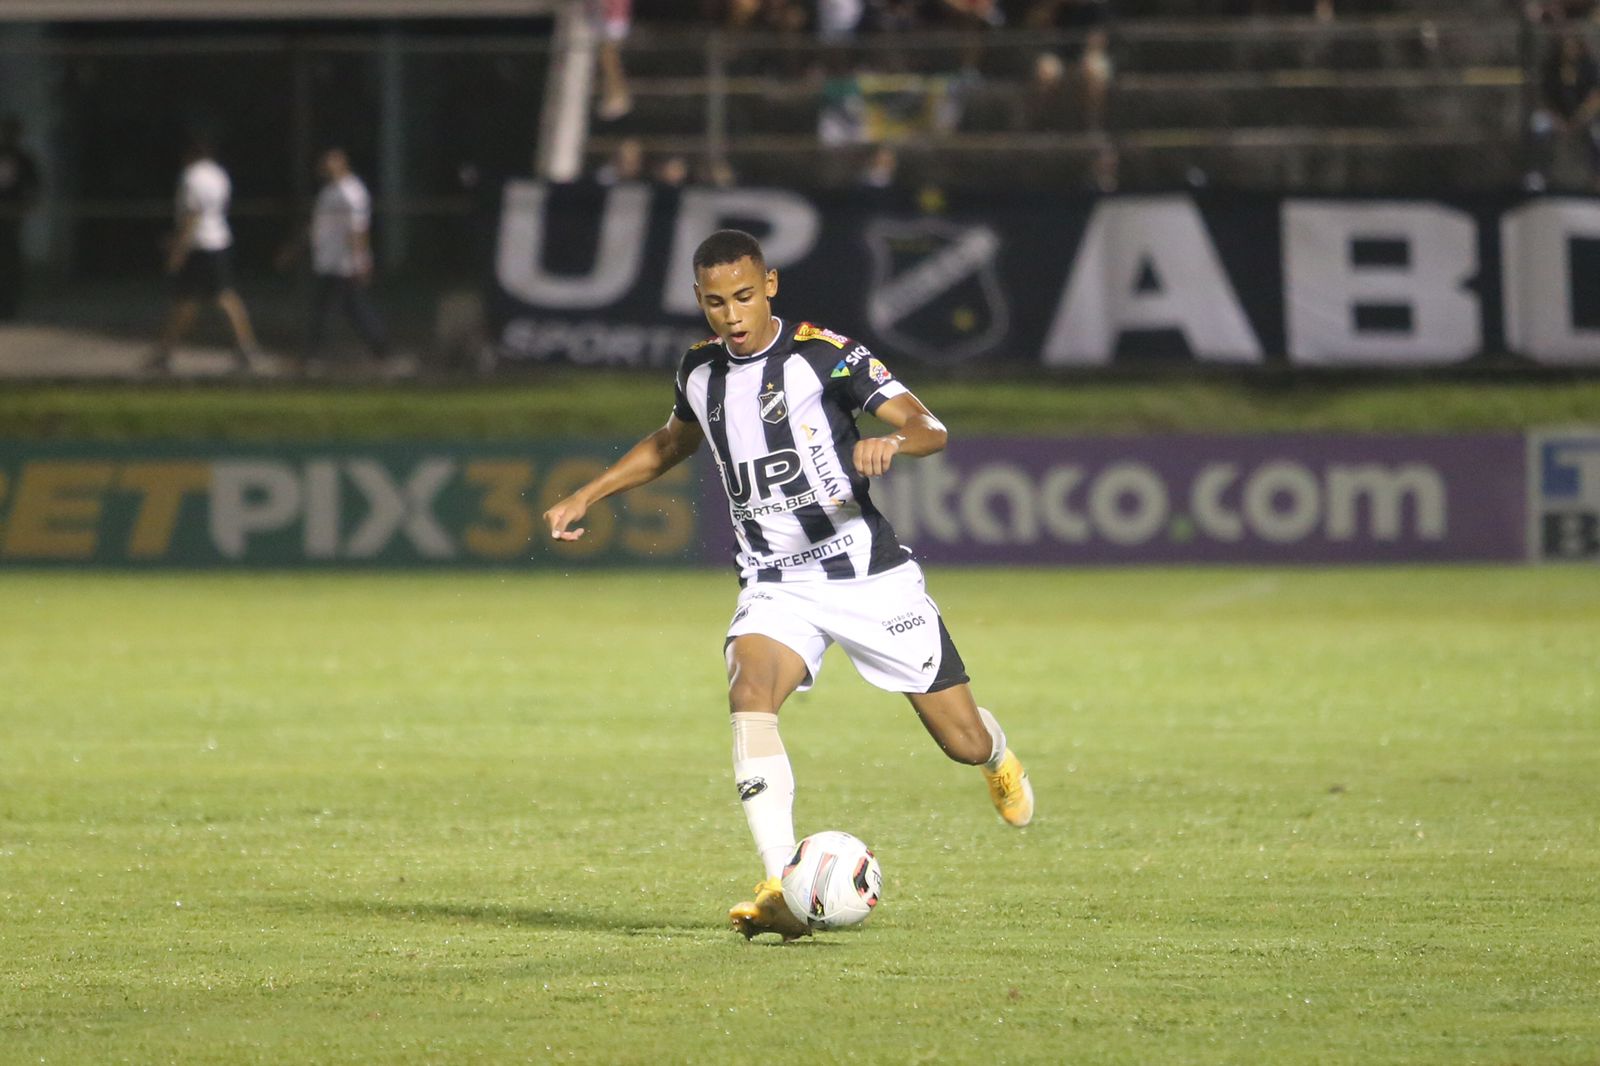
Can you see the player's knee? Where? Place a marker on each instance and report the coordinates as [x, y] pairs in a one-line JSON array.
[[749, 694]]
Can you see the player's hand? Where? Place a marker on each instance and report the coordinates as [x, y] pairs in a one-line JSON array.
[[563, 515], [874, 454]]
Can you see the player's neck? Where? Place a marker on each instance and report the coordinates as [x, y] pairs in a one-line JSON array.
[[775, 324]]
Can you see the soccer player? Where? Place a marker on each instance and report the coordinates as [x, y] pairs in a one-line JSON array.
[[818, 563]]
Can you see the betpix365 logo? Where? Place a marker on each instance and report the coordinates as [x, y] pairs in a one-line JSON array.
[[1564, 483]]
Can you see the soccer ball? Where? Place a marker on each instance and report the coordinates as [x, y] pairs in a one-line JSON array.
[[833, 881]]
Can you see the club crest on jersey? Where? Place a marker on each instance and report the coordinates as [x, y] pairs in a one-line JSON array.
[[774, 407], [841, 371], [808, 332], [935, 290]]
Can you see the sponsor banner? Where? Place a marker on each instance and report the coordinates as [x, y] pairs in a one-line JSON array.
[[420, 504], [1204, 499], [1564, 495], [593, 275]]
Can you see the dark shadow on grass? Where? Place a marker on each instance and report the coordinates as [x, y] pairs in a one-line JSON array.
[[546, 918], [503, 915]]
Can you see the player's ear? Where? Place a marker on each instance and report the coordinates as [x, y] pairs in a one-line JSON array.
[[772, 284], [697, 299]]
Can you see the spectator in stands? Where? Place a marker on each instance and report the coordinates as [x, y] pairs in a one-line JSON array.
[[1096, 70], [1048, 103], [672, 170], [1558, 12], [200, 261], [718, 172], [1569, 106], [613, 19], [785, 15], [882, 167], [1065, 14], [1105, 170], [962, 14], [19, 191], [625, 164], [838, 20]]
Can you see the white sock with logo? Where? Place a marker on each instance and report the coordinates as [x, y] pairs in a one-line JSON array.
[[997, 754], [766, 786]]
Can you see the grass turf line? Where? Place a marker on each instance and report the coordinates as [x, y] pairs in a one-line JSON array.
[[587, 403], [1285, 816]]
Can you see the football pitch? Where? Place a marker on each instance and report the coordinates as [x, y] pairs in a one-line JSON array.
[[1330, 816]]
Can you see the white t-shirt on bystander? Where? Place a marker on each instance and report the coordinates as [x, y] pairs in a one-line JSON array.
[[343, 210], [204, 191]]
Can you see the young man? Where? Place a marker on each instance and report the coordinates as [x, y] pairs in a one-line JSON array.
[[818, 563], [341, 256], [199, 259]]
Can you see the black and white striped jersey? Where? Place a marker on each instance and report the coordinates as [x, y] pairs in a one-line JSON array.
[[782, 426]]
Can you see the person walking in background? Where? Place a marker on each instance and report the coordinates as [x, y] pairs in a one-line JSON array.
[[199, 259], [341, 257], [19, 191]]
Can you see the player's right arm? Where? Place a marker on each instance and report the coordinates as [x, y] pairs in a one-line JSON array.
[[644, 462]]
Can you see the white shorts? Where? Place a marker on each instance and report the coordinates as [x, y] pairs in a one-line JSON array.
[[886, 624]]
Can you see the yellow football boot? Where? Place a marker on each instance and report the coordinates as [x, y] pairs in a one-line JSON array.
[[767, 913], [1010, 791]]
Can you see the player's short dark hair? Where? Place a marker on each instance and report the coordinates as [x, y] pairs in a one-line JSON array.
[[728, 246]]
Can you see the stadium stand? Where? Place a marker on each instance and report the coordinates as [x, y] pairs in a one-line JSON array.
[[1389, 95]]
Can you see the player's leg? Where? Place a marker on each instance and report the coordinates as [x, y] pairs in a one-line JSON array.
[[762, 673], [897, 640], [771, 652], [971, 734]]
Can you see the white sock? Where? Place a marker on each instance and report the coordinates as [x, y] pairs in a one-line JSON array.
[[997, 754], [766, 786]]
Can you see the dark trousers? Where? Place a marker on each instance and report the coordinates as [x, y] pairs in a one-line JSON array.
[[10, 268], [334, 291]]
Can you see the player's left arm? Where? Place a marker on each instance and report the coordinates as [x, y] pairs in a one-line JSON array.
[[916, 432]]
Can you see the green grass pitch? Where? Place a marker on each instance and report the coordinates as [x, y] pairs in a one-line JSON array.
[[1284, 816]]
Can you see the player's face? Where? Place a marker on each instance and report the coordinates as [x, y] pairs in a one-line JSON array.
[[737, 300]]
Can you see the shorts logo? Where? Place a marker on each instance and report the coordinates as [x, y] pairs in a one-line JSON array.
[[774, 407], [904, 623], [738, 616], [751, 787], [927, 665]]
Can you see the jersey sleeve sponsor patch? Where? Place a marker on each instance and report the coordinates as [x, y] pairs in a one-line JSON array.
[[841, 371], [809, 332], [878, 372]]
